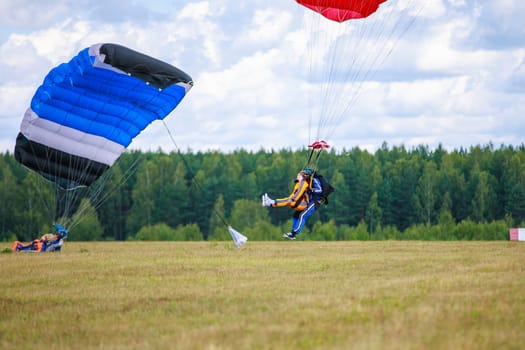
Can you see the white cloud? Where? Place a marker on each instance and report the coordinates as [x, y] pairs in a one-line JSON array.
[[268, 27], [457, 77], [20, 14]]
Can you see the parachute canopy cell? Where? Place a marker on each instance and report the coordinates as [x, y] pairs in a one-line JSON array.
[[88, 110], [342, 10]]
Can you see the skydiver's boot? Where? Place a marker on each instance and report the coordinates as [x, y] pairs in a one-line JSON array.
[[265, 201], [289, 235]]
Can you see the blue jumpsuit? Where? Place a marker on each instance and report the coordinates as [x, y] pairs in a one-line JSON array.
[[299, 218]]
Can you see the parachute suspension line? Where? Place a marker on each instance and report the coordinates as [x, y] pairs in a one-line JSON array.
[[322, 55], [316, 44], [69, 203], [350, 53], [391, 36], [310, 70], [238, 238], [327, 98], [337, 64], [193, 178], [313, 157], [99, 194], [360, 40]]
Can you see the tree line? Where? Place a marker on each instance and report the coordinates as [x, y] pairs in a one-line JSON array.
[[393, 193]]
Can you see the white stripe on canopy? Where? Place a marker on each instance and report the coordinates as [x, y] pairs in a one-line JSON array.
[[69, 140]]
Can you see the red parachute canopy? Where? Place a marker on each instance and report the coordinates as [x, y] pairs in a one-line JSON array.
[[342, 10]]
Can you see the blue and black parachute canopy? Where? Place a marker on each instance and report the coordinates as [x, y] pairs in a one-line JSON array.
[[88, 110]]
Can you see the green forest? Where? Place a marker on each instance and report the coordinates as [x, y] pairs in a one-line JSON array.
[[394, 193]]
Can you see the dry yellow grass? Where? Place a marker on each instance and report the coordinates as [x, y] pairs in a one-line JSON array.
[[267, 295]]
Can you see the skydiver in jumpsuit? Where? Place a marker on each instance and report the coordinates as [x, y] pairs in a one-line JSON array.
[[304, 199]]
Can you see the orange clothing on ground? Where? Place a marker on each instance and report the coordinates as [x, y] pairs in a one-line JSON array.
[[35, 245]]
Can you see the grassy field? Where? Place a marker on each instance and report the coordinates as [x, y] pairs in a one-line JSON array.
[[267, 295]]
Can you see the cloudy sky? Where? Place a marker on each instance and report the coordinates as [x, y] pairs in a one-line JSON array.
[[424, 72]]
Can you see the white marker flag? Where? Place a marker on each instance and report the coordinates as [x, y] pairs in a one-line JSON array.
[[238, 238]]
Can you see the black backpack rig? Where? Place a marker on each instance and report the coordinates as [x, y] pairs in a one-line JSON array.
[[327, 189]]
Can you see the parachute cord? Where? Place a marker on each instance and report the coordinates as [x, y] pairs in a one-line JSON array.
[[193, 177], [366, 72], [313, 164], [99, 194], [310, 157], [352, 52]]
